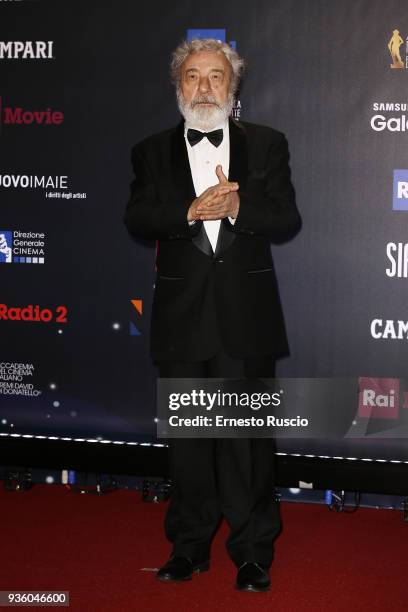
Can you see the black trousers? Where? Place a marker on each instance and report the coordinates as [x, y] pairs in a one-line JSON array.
[[230, 477]]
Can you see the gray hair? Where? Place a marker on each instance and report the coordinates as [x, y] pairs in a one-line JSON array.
[[187, 48]]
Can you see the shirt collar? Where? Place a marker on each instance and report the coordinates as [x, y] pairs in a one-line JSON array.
[[220, 126]]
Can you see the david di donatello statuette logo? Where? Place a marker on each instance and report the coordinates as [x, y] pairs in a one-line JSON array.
[[394, 45]]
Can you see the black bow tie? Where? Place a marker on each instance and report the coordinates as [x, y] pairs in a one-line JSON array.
[[214, 137]]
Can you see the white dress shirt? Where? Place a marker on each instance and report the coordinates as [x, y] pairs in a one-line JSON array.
[[203, 158]]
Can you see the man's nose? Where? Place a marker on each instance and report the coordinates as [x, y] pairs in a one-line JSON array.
[[204, 84]]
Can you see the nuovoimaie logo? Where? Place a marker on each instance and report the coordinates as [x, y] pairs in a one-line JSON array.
[[22, 247], [221, 35], [394, 47], [400, 190]]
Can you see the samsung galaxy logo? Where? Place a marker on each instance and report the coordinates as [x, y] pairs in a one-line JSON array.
[[398, 122], [28, 49], [390, 106], [379, 123]]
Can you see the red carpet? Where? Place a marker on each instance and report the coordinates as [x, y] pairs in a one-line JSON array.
[[97, 547]]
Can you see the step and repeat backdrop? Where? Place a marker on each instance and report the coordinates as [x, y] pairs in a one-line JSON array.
[[80, 84]]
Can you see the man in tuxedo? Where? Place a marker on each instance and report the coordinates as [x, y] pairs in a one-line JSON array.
[[215, 193]]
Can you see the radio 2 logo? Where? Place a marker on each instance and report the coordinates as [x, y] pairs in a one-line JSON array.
[[33, 313]]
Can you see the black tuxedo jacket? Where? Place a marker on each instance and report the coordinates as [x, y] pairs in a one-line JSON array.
[[203, 299]]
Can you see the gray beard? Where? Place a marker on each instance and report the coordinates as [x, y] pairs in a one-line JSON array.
[[204, 118]]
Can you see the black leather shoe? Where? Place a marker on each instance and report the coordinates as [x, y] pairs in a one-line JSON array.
[[252, 577], [180, 568]]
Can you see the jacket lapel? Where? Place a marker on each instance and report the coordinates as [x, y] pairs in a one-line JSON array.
[[238, 166], [184, 186], [181, 172], [183, 182], [238, 171]]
